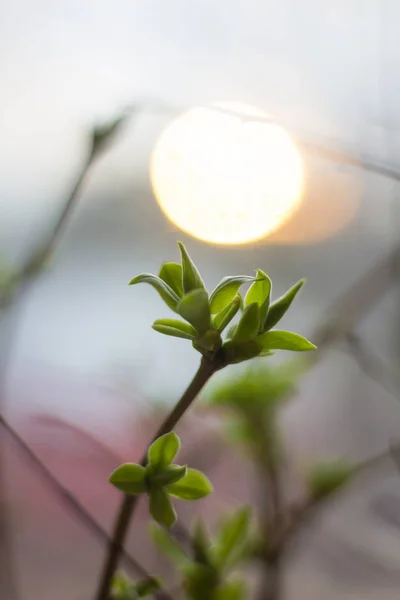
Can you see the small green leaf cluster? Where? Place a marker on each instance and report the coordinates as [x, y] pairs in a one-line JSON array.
[[123, 588], [206, 570], [206, 316], [327, 478], [160, 479]]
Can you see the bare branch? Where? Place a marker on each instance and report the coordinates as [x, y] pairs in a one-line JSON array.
[[372, 365]]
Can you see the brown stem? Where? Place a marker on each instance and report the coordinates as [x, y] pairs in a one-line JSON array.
[[129, 503], [272, 518]]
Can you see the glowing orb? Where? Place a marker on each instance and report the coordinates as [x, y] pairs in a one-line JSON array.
[[226, 174]]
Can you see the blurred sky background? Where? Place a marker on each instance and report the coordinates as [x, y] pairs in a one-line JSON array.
[[329, 70]]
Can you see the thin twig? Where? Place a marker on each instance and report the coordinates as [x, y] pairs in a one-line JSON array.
[[302, 514], [358, 300], [331, 149], [272, 517], [64, 495], [372, 365], [68, 500], [30, 269]]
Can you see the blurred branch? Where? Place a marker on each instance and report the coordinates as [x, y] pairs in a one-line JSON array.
[[372, 365], [100, 139], [68, 500], [272, 516], [302, 514], [328, 148], [358, 300]]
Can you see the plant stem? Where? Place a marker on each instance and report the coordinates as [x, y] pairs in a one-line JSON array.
[[272, 517], [205, 371]]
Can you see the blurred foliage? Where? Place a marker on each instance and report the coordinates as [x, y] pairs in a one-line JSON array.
[[326, 478], [206, 569], [123, 588], [250, 399]]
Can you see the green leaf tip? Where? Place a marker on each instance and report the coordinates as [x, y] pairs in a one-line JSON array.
[[285, 340], [278, 308], [175, 328], [167, 294], [191, 278], [260, 293], [161, 508], [163, 450], [194, 486], [226, 290], [129, 478], [232, 534]]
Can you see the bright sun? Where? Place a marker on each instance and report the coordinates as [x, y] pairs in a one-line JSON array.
[[225, 178]]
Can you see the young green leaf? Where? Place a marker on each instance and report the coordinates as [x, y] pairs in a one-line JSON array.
[[200, 543], [232, 534], [171, 474], [191, 278], [249, 323], [223, 318], [195, 309], [163, 451], [201, 581], [236, 352], [129, 478], [325, 479], [167, 294], [175, 328], [147, 587], [171, 273], [193, 486], [161, 508], [260, 293], [169, 546], [226, 290], [231, 590], [171, 331], [122, 588], [280, 306], [284, 340]]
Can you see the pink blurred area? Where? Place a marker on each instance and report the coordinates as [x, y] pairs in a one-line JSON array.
[[81, 446]]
